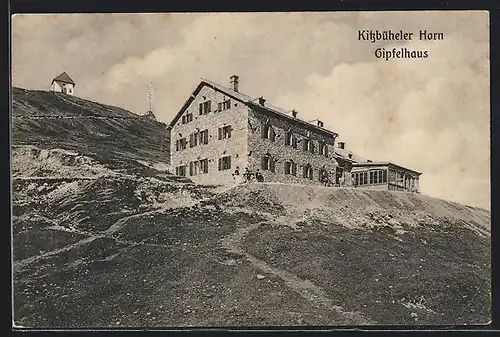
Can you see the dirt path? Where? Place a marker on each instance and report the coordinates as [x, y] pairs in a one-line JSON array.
[[305, 288]]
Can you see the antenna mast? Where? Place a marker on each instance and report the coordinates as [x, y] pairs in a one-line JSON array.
[[150, 93]]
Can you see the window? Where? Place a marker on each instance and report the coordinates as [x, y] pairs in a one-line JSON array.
[[290, 168], [378, 176], [268, 163], [323, 149], [193, 139], [226, 104], [198, 167], [204, 165], [305, 144], [198, 138], [180, 170], [268, 132], [204, 137], [205, 107], [225, 163], [181, 144], [307, 172], [308, 145], [361, 178], [187, 118], [291, 139], [225, 132]]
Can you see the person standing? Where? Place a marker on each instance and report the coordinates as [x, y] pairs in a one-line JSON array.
[[258, 176]]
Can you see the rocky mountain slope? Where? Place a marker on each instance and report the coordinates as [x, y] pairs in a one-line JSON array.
[[104, 236]]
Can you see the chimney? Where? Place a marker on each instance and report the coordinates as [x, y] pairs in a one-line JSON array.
[[262, 100], [294, 113], [320, 123], [234, 82], [341, 145]]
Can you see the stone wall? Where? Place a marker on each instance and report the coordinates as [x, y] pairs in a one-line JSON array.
[[236, 146], [280, 152]]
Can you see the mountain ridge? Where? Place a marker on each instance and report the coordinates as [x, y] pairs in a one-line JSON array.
[[105, 236]]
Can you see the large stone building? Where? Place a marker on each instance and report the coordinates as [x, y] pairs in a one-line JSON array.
[[220, 131]]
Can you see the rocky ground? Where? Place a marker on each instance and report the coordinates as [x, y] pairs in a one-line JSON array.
[[111, 239]]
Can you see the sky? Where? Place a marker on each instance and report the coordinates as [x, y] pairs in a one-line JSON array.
[[431, 115]]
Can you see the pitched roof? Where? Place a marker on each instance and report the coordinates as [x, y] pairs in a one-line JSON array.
[[63, 77], [385, 163], [248, 100], [343, 153]]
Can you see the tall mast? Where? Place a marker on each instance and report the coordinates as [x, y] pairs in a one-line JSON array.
[[150, 93]]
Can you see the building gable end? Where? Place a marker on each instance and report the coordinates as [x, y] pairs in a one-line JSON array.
[[193, 96]]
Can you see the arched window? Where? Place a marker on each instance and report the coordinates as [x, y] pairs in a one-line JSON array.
[[268, 163], [290, 167], [268, 132], [308, 145], [307, 172], [323, 148], [291, 139]]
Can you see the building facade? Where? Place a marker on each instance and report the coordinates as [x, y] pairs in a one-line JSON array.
[[385, 176], [63, 83], [219, 133]]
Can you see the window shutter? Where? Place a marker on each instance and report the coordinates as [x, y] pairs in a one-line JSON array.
[[294, 169], [229, 162], [271, 163], [201, 108], [263, 163], [209, 106], [304, 147], [220, 164], [191, 168], [312, 147], [263, 129], [273, 134], [230, 130], [219, 106], [294, 141], [191, 140], [326, 149], [220, 133]]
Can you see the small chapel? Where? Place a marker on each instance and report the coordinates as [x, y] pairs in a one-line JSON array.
[[63, 83]]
